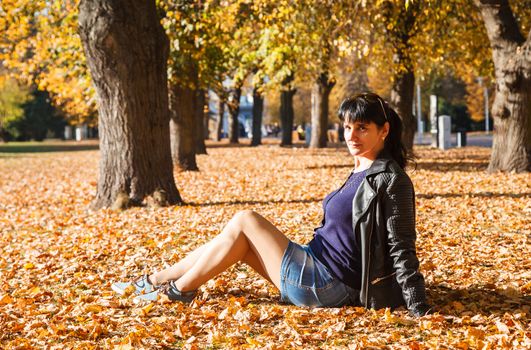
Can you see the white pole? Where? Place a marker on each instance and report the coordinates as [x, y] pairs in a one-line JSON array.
[[419, 115], [486, 96], [434, 121]]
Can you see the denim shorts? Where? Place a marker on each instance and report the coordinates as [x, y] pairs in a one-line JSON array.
[[305, 281]]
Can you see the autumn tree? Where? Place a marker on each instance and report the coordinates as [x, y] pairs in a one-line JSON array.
[[225, 63], [127, 50], [280, 54], [475, 98], [409, 38], [12, 98], [183, 24], [40, 47], [324, 23], [511, 110], [467, 28], [398, 24]]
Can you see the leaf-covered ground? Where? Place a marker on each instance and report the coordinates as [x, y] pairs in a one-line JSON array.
[[57, 259]]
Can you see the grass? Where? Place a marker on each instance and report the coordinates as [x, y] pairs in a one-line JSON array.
[[53, 145]]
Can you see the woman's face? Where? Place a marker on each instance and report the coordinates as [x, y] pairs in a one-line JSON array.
[[365, 139]]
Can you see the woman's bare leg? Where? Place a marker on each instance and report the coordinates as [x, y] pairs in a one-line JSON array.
[[248, 237], [175, 271]]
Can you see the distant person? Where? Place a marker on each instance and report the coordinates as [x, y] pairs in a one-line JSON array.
[[276, 129], [300, 132], [362, 254]]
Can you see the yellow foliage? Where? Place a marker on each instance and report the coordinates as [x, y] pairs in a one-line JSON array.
[[475, 99], [41, 46]]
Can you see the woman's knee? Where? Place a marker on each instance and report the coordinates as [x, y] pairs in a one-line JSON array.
[[239, 222], [245, 216]]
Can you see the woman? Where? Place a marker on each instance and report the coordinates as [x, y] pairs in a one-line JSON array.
[[363, 253]]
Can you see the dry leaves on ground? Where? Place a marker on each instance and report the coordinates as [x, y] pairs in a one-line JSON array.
[[57, 259]]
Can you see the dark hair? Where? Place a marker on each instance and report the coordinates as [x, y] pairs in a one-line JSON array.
[[369, 107]]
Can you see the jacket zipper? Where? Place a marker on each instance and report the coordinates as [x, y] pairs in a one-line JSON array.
[[368, 267], [382, 278], [366, 296]]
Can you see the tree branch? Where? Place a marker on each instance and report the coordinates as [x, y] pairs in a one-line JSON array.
[[500, 22]]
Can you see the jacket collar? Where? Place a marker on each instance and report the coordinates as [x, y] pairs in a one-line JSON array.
[[380, 163]]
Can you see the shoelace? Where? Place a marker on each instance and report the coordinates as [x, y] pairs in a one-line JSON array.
[[143, 279]]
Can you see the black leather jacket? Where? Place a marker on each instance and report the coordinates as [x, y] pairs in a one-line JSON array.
[[383, 215]]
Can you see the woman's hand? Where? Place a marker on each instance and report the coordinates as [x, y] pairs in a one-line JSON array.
[[420, 309]]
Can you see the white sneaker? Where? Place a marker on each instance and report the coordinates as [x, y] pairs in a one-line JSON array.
[[170, 290], [141, 285]]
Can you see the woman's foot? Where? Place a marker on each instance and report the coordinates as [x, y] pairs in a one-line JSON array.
[[141, 286], [170, 290]]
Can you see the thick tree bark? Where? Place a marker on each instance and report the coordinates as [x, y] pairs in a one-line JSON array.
[[183, 126], [511, 110], [234, 111], [127, 50], [320, 98], [286, 111], [200, 120], [258, 109], [402, 100], [219, 122]]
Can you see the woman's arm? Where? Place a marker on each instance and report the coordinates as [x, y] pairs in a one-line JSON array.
[[400, 221]]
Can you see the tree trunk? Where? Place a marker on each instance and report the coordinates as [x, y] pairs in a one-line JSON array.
[[286, 111], [258, 108], [511, 110], [399, 33], [234, 111], [320, 96], [200, 147], [402, 100], [183, 126], [219, 122], [126, 50]]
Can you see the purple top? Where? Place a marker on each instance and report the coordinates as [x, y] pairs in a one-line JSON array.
[[334, 243]]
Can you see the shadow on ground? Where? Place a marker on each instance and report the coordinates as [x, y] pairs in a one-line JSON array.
[[444, 300], [478, 299], [250, 202], [442, 166], [473, 195]]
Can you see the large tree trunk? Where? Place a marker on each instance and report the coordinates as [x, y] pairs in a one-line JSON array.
[[320, 96], [201, 128], [219, 122], [234, 111], [511, 110], [127, 50], [402, 100], [399, 33], [182, 126], [286, 111], [258, 109]]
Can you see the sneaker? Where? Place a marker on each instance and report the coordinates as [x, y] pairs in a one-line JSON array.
[[141, 285], [170, 290]]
